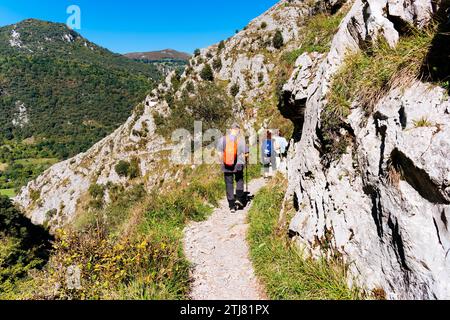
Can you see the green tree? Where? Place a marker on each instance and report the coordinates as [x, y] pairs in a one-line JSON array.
[[207, 73], [221, 45], [122, 168], [234, 90], [278, 40]]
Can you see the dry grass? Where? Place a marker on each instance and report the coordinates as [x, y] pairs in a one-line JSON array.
[[422, 123], [393, 175], [3, 166]]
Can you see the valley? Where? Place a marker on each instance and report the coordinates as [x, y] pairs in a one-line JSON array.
[[60, 94], [360, 90]]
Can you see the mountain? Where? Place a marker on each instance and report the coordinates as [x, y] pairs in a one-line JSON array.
[[165, 61], [62, 89], [362, 88], [167, 54], [61, 92]]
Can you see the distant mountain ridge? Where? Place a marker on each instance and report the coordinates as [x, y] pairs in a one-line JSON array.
[[166, 54]]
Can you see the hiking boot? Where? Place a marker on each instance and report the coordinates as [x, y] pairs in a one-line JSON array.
[[233, 210], [239, 204]]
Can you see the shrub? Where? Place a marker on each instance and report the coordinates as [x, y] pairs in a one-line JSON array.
[[234, 90], [190, 87], [134, 170], [197, 52], [122, 168], [278, 41], [221, 45], [97, 191], [35, 195], [130, 169], [207, 73], [217, 64], [263, 25]]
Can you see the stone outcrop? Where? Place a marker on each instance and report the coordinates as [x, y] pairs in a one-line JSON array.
[[385, 204]]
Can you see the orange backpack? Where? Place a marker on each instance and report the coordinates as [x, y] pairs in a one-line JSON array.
[[230, 153]]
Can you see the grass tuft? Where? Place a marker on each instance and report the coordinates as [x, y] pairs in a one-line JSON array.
[[422, 122]]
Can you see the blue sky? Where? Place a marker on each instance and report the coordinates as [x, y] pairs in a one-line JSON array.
[[132, 25]]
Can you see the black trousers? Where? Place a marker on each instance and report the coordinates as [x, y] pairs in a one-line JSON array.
[[229, 182]]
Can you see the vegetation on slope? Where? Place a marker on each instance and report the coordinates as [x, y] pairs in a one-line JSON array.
[[73, 91], [23, 247], [210, 104], [131, 249], [366, 77], [285, 272], [21, 162]]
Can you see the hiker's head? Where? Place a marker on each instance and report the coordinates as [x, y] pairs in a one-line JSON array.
[[235, 129], [269, 134]]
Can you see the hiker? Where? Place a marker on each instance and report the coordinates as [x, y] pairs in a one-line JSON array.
[[268, 155], [280, 148], [233, 152]]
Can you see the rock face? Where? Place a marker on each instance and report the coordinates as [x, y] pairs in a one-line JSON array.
[[386, 202]]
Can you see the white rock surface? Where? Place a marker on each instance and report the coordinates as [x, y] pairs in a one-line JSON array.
[[20, 118], [15, 41], [394, 236]]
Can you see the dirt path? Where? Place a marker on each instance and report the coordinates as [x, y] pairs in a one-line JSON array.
[[219, 252]]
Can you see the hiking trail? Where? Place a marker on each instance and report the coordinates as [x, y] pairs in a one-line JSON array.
[[219, 252]]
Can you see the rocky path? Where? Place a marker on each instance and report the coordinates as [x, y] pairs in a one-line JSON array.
[[219, 252]]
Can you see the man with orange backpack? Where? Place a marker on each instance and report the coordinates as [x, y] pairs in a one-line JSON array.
[[233, 151]]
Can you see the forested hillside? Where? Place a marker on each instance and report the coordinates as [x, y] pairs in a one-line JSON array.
[[59, 94]]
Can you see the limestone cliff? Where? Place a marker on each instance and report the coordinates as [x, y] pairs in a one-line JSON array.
[[385, 203]]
